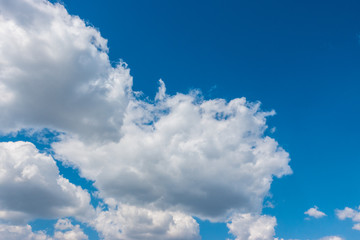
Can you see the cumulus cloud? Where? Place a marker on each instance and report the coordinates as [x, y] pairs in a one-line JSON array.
[[205, 158], [315, 212], [131, 222], [155, 163], [31, 187], [348, 213], [55, 73], [14, 232], [353, 214], [252, 227], [64, 231]]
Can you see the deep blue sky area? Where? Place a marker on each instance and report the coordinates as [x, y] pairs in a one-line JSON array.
[[300, 58]]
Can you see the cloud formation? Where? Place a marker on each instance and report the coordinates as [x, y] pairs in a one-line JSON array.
[[55, 73], [353, 214], [15, 232], [64, 230], [155, 163], [315, 212], [130, 222], [206, 158], [31, 187], [252, 227]]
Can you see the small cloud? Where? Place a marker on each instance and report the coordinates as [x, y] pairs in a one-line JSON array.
[[314, 212], [161, 94], [356, 227], [347, 213], [332, 238], [353, 214]]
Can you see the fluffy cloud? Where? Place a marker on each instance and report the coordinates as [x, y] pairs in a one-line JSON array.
[[130, 222], [155, 164], [353, 214], [55, 73], [356, 226], [252, 227], [314, 212], [64, 231], [205, 158], [14, 232], [348, 213], [31, 187]]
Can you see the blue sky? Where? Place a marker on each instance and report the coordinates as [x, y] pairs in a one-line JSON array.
[[299, 58]]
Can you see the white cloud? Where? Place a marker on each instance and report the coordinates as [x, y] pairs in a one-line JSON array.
[[252, 227], [55, 73], [130, 222], [353, 214], [348, 213], [179, 157], [161, 92], [66, 231], [31, 187], [14, 232], [332, 238], [205, 158], [314, 212], [356, 226]]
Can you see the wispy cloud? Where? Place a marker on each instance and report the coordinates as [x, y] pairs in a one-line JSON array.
[[332, 238]]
